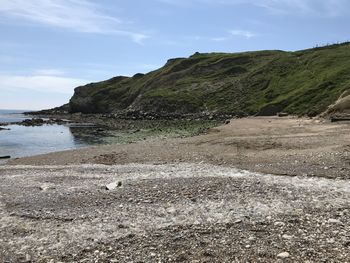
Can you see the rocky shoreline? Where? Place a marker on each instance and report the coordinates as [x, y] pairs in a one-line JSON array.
[[35, 122], [253, 190]]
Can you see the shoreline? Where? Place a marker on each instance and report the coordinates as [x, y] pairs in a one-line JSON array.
[[208, 198], [91, 130], [282, 146]]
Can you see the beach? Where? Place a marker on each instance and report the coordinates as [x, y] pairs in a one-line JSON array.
[[256, 189], [281, 146]]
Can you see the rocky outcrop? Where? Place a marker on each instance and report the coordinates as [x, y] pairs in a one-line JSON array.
[[342, 105]]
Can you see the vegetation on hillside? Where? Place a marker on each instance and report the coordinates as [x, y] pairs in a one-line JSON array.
[[302, 82]]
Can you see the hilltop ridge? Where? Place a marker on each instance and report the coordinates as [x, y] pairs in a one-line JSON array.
[[303, 82]]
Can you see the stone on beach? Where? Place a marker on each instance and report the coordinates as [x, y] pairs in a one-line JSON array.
[[114, 185], [283, 255]]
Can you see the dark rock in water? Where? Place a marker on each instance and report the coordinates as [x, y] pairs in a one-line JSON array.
[[56, 121], [5, 157], [33, 122], [227, 122], [4, 129]]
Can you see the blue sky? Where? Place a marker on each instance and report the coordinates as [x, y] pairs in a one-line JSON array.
[[48, 47]]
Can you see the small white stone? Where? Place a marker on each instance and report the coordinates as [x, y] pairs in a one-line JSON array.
[[113, 186], [251, 238], [286, 236], [331, 241], [280, 224], [283, 255], [334, 221]]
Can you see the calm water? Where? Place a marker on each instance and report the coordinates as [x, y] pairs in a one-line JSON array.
[[22, 141], [11, 116]]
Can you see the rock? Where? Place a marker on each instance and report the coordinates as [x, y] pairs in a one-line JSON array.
[[33, 122], [252, 238], [283, 255], [113, 185], [279, 224], [334, 221], [46, 187], [227, 122], [282, 114], [287, 236], [5, 157]]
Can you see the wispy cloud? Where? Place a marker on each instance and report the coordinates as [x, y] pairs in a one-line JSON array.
[[229, 36], [242, 33], [41, 83], [317, 7], [49, 72], [78, 15], [219, 39]]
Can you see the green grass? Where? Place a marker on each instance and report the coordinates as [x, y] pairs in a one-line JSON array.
[[303, 82]]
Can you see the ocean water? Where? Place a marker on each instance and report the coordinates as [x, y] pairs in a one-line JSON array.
[[11, 116], [21, 141]]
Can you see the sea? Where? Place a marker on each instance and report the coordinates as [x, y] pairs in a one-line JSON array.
[[21, 141], [11, 115]]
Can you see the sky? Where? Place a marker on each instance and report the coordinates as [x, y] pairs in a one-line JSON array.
[[49, 47]]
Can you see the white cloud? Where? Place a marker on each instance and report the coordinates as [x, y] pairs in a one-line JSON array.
[[41, 83], [219, 39], [49, 72], [77, 15], [242, 33], [317, 7]]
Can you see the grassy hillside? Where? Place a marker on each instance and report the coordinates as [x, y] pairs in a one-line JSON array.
[[303, 82]]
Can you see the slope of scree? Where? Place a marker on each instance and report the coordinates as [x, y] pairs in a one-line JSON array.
[[264, 82]]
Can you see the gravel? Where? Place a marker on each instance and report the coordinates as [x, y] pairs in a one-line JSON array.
[[181, 212]]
